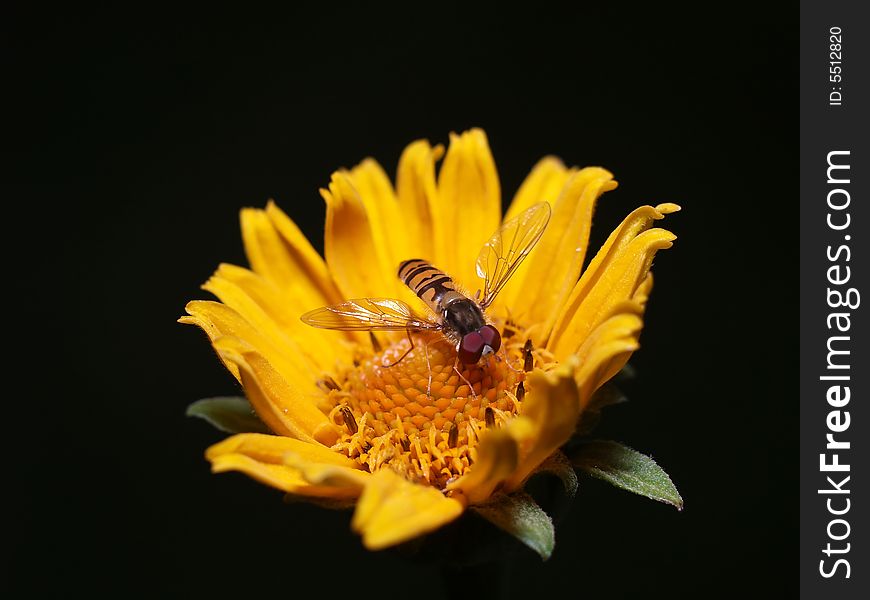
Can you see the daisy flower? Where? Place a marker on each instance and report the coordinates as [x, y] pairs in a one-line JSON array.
[[391, 422]]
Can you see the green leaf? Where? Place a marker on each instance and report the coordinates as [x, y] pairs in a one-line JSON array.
[[607, 395], [520, 516], [626, 373], [559, 465], [589, 420], [228, 413], [627, 469]]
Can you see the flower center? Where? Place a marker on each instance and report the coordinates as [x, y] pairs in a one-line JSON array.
[[420, 412]]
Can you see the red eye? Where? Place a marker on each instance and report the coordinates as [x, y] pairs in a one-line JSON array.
[[470, 348], [490, 337]]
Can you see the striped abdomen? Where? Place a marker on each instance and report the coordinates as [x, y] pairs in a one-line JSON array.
[[433, 286]]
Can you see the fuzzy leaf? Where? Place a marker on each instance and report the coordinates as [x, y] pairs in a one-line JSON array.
[[228, 413], [520, 516], [559, 465], [589, 420], [626, 373], [607, 395], [627, 469]]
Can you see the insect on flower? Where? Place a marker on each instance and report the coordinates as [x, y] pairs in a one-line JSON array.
[[414, 437], [459, 318]]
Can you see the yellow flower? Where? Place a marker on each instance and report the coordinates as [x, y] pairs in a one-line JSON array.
[[414, 444]]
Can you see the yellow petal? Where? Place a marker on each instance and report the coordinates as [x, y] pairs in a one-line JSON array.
[[356, 243], [278, 476], [213, 333], [607, 349], [279, 261], [544, 183], [276, 316], [322, 473], [303, 253], [392, 510], [469, 208], [273, 448], [497, 458], [271, 451], [613, 287], [219, 320], [549, 417], [613, 276], [544, 281], [382, 206], [283, 408], [643, 290], [262, 291], [418, 198]]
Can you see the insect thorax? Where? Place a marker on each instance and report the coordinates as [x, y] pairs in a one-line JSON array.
[[463, 316]]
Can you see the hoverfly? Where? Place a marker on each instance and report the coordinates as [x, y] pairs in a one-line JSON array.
[[457, 317]]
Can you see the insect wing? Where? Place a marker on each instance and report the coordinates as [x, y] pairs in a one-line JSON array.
[[506, 249], [367, 314]]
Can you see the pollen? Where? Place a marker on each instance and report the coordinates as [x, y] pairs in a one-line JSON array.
[[418, 411]]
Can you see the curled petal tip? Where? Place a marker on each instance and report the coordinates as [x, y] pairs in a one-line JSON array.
[[667, 208]]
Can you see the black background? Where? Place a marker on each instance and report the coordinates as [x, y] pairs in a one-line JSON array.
[[144, 133]]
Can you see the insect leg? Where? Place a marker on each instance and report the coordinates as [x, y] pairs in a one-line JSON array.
[[428, 368], [462, 377], [407, 352], [507, 360]]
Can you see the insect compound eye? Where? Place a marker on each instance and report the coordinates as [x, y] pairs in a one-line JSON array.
[[470, 348], [491, 337]]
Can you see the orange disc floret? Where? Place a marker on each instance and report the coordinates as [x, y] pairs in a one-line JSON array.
[[422, 415]]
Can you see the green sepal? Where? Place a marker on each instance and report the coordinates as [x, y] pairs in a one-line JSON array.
[[607, 395], [626, 373], [519, 515], [627, 469], [228, 413], [559, 465]]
